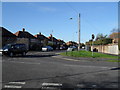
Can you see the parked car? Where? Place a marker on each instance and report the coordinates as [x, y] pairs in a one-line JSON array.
[[72, 48], [62, 48], [47, 48], [13, 49]]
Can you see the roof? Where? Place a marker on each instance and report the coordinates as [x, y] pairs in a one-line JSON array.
[[53, 38], [41, 37], [24, 34], [115, 35], [61, 40], [6, 33]]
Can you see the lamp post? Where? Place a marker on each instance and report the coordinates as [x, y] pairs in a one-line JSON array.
[[78, 31]]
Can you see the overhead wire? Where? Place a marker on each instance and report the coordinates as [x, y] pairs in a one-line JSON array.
[[76, 11]]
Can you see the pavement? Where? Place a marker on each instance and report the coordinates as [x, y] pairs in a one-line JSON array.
[[41, 69]]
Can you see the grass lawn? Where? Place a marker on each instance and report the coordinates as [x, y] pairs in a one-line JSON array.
[[113, 60], [83, 53]]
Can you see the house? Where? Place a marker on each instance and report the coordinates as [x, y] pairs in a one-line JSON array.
[[44, 41], [53, 39], [115, 36], [55, 42], [7, 36], [61, 42], [71, 43], [28, 39]]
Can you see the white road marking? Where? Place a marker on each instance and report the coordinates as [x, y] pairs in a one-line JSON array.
[[68, 59], [12, 86], [24, 62], [89, 66], [16, 82], [51, 84]]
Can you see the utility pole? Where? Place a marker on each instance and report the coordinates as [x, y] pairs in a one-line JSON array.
[[78, 31]]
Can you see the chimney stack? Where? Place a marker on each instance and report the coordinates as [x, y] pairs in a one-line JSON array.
[[50, 35], [23, 29], [39, 33]]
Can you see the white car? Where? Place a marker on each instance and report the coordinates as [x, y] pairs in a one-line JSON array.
[[47, 48], [72, 48]]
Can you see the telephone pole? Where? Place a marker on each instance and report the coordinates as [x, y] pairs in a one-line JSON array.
[[78, 31]]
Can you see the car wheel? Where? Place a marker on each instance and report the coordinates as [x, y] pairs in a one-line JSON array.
[[24, 53], [11, 54]]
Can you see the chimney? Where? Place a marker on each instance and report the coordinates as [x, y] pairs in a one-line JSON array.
[[39, 33], [50, 35], [23, 29]]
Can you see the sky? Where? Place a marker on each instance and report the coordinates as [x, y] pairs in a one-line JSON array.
[[54, 18]]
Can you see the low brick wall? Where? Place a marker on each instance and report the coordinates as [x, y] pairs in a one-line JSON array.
[[110, 48]]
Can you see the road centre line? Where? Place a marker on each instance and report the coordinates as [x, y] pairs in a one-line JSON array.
[[51, 84], [16, 82], [24, 62], [68, 59], [12, 86], [89, 66]]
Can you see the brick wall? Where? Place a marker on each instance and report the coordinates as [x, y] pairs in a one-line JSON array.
[[110, 48]]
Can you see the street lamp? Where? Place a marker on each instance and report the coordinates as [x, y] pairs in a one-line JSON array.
[[78, 31]]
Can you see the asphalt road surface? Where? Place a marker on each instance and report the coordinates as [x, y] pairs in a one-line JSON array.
[[38, 69]]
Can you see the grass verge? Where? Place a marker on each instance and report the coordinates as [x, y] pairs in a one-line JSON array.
[[83, 53], [113, 60]]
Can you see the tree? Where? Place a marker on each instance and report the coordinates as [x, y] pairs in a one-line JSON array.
[[100, 36], [100, 40]]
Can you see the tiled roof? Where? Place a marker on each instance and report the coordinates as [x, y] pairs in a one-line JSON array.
[[41, 37], [54, 39], [6, 33], [24, 34]]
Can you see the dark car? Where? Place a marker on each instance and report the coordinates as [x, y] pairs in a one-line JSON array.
[[13, 49]]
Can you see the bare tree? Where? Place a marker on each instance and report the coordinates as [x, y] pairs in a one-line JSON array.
[[100, 36]]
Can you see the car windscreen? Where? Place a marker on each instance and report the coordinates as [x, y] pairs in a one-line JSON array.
[[6, 46]]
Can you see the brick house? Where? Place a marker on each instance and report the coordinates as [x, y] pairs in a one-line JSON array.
[[61, 42], [71, 43], [44, 41], [28, 39], [53, 39], [115, 36], [55, 42], [7, 36]]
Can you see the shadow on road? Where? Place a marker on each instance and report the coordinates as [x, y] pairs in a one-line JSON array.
[[118, 68], [34, 56], [30, 56]]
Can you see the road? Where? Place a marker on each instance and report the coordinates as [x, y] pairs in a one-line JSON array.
[[38, 68]]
